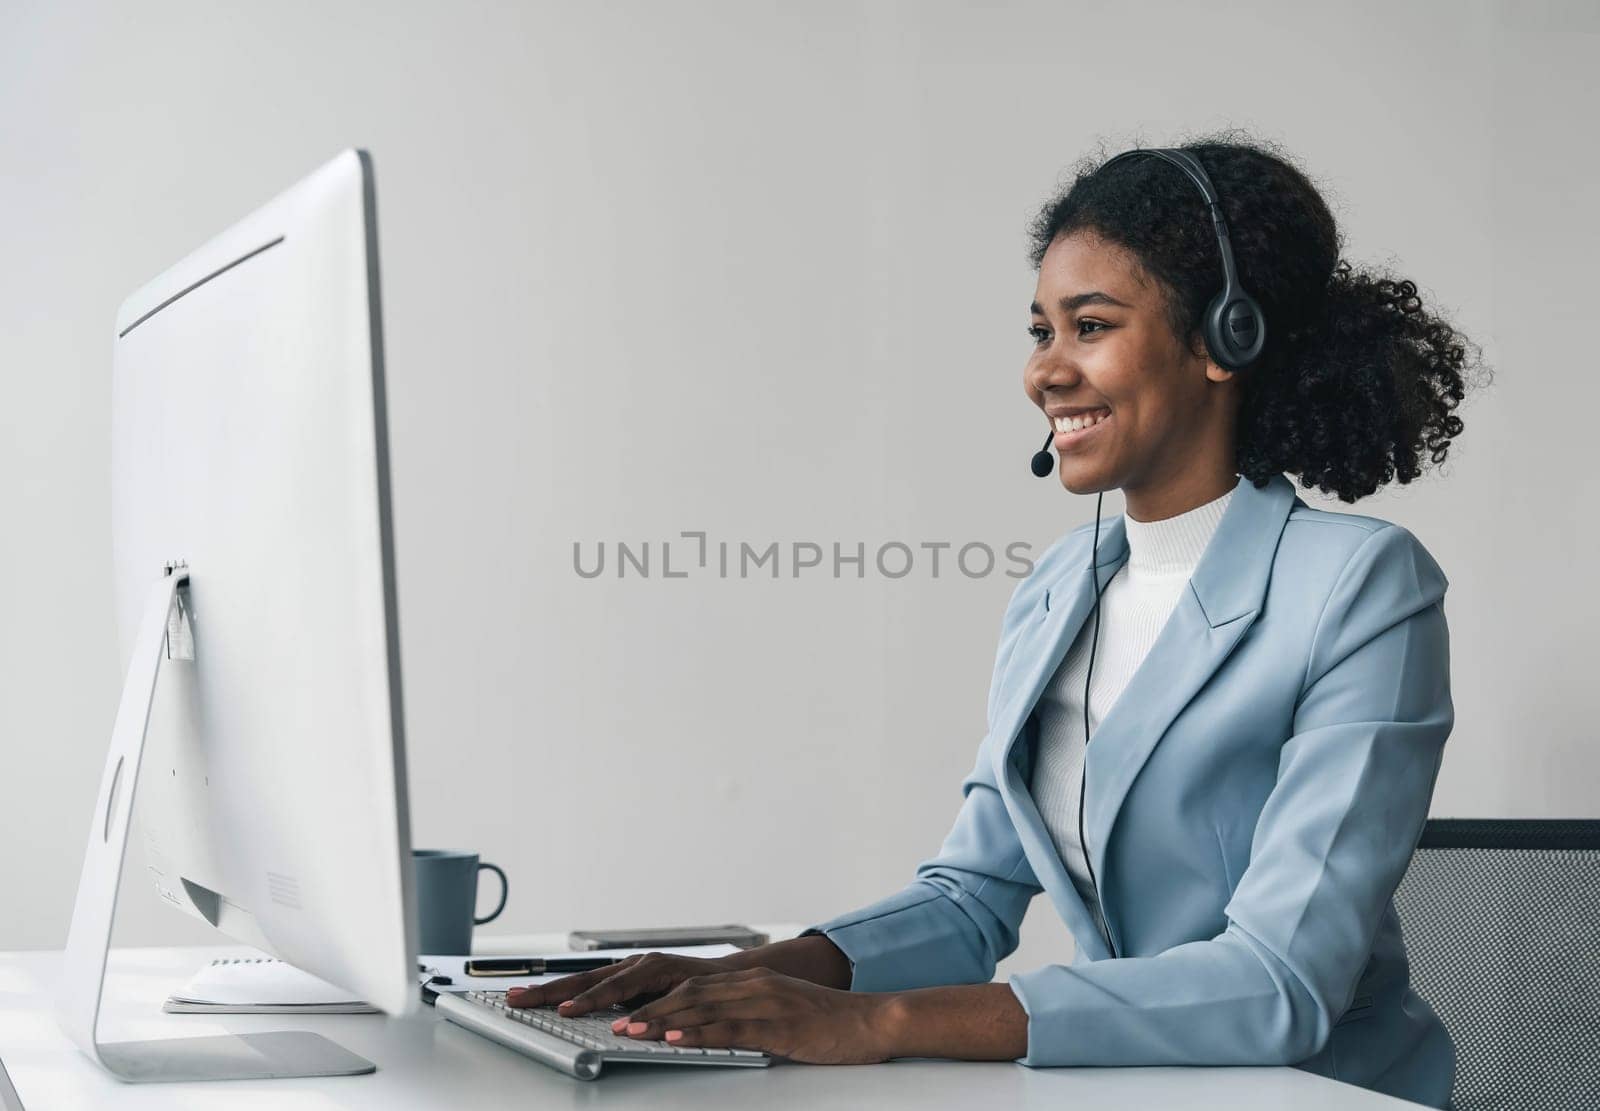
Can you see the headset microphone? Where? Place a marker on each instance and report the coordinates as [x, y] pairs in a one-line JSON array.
[[1043, 461]]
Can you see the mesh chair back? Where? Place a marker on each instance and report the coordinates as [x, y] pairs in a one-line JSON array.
[[1501, 921]]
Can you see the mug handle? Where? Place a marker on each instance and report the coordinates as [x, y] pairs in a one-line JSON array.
[[505, 889]]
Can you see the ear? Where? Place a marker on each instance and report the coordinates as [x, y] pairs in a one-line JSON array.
[[1197, 348]]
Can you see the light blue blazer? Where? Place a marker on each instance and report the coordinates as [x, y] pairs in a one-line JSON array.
[[1253, 798]]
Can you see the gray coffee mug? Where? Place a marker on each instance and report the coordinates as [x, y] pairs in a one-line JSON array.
[[447, 899]]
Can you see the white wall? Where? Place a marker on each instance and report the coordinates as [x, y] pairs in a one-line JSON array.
[[756, 270]]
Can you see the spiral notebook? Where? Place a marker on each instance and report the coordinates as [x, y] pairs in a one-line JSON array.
[[261, 985]]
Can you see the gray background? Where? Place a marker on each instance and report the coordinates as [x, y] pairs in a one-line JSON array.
[[756, 270]]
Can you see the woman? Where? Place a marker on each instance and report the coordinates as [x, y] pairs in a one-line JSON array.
[[1223, 822]]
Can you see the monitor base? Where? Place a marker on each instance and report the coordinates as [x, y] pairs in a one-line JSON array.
[[220, 1057], [231, 1057]]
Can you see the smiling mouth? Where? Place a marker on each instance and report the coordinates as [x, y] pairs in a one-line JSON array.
[[1071, 431], [1079, 423]]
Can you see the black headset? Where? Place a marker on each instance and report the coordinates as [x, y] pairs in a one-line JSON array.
[[1235, 330]]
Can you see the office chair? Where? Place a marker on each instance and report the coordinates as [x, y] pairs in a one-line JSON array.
[[1501, 920]]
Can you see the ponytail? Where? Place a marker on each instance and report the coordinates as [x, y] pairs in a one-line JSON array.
[[1359, 393]]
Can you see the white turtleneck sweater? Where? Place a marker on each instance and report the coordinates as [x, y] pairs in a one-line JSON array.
[[1136, 602]]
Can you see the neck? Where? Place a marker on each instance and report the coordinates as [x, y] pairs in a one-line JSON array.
[[1188, 491], [1193, 465]]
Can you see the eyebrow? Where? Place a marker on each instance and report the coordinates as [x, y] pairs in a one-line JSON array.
[[1077, 301]]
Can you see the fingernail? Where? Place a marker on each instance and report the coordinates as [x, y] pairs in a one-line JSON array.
[[619, 1024], [674, 1035], [638, 1027]]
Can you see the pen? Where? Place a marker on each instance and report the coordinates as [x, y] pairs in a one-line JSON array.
[[534, 966]]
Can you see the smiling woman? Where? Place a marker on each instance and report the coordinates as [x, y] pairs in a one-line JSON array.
[[1226, 851]]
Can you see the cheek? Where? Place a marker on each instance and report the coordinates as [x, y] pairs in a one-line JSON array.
[[1123, 433]]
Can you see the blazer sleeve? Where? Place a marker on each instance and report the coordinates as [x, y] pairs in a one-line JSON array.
[[1329, 849], [961, 913]]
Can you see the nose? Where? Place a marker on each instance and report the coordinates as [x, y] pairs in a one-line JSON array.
[[1049, 372]]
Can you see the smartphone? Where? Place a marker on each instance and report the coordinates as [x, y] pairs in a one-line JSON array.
[[662, 937]]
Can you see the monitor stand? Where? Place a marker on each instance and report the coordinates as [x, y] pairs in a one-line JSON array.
[[163, 630]]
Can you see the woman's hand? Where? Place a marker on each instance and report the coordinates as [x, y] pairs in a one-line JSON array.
[[758, 1008], [642, 975], [633, 977]]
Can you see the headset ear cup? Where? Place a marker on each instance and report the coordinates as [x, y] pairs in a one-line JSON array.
[[1235, 330]]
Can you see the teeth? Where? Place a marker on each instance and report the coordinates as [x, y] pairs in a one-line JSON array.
[[1077, 424]]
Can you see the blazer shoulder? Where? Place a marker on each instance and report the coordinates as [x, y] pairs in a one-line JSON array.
[[1361, 547], [1326, 526]]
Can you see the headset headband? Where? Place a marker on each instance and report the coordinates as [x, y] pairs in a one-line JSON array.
[[1234, 327]]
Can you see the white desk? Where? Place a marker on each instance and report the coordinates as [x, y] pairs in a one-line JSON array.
[[424, 1061]]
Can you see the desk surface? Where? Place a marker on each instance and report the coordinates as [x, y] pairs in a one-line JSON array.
[[424, 1061]]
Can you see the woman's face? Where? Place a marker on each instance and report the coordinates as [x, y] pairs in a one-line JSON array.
[[1102, 342]]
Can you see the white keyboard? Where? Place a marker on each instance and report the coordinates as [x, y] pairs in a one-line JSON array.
[[579, 1045]]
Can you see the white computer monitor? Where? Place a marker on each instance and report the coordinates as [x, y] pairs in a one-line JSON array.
[[254, 562]]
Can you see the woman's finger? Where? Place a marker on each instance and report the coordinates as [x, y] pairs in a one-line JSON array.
[[642, 978], [701, 1000], [715, 985], [732, 1034], [697, 1015], [554, 991]]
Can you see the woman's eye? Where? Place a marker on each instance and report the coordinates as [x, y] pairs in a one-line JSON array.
[[1041, 335]]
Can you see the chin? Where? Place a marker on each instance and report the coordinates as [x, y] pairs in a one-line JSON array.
[[1079, 483]]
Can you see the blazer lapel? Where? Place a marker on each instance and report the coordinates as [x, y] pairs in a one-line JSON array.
[[1218, 606], [1036, 658]]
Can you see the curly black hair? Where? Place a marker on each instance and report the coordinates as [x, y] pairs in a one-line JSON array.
[[1356, 380]]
